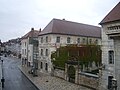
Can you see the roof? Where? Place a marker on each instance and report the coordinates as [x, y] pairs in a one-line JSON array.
[[113, 15], [57, 26], [32, 33]]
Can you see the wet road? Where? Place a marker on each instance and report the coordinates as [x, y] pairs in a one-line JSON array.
[[14, 78]]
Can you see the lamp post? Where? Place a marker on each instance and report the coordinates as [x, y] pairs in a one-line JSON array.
[[114, 84], [2, 74]]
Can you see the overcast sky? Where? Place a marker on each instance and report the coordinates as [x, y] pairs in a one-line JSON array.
[[18, 16]]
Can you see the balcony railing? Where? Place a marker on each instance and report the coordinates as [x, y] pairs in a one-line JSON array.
[[113, 30]]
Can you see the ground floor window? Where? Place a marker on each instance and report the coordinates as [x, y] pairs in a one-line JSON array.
[[46, 66], [41, 65], [110, 82]]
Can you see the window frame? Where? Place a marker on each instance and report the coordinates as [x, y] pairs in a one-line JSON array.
[[58, 39], [68, 40], [111, 57]]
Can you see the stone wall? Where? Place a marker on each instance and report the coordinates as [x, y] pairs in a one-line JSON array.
[[59, 73], [89, 80], [85, 79]]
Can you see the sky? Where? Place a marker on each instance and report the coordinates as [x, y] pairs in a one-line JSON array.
[[17, 17]]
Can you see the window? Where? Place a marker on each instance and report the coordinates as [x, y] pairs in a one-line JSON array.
[[58, 40], [110, 82], [46, 66], [22, 51], [25, 51], [78, 40], [25, 44], [83, 41], [111, 57], [46, 52], [46, 39], [90, 41], [96, 41], [41, 39], [41, 66], [41, 52], [68, 39]]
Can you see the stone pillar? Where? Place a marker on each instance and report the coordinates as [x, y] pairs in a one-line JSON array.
[[66, 73], [76, 75]]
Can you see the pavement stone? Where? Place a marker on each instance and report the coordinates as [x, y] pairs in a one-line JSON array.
[[47, 82]]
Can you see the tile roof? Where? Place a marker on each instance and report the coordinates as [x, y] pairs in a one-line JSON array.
[[113, 15], [57, 26], [32, 33]]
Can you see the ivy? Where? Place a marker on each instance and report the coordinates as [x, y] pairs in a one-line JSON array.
[[84, 55]]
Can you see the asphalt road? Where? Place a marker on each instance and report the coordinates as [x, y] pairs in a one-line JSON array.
[[14, 78]]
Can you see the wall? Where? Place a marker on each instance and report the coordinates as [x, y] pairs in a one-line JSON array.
[[30, 54], [108, 70], [85, 79], [117, 62], [51, 45], [89, 80], [59, 73]]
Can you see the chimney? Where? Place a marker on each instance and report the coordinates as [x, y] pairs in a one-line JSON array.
[[63, 18], [40, 30], [32, 29]]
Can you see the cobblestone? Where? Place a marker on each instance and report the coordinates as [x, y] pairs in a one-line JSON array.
[[47, 82]]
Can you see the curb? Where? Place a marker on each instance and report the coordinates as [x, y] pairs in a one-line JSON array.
[[28, 78]]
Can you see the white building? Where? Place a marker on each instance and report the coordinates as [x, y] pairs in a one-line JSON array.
[[14, 46], [27, 45], [60, 33], [111, 48]]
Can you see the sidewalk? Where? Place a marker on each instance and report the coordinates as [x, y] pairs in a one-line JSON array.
[[47, 82]]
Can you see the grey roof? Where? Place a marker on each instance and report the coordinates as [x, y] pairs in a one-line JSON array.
[[32, 33], [113, 15], [57, 26]]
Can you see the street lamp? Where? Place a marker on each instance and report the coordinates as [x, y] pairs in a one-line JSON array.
[[114, 84], [2, 79]]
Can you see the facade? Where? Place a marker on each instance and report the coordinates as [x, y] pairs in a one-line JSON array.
[[111, 49], [13, 47], [27, 45], [61, 33]]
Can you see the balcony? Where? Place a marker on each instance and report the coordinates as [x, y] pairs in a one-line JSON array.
[[113, 31]]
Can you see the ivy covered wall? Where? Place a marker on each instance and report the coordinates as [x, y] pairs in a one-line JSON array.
[[83, 55]]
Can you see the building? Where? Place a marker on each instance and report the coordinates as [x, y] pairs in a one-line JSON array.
[[111, 48], [61, 33], [13, 47], [27, 47]]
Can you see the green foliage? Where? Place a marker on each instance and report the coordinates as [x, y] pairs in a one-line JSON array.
[[84, 55], [60, 56]]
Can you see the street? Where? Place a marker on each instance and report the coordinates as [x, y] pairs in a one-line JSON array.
[[14, 78]]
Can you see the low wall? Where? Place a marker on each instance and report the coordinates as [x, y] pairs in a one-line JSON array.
[[85, 79], [89, 80], [59, 73]]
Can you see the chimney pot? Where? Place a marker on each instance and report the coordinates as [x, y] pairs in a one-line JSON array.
[[40, 30], [32, 29]]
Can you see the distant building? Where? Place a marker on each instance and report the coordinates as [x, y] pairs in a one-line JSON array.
[[61, 33], [13, 46], [111, 48], [27, 44]]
